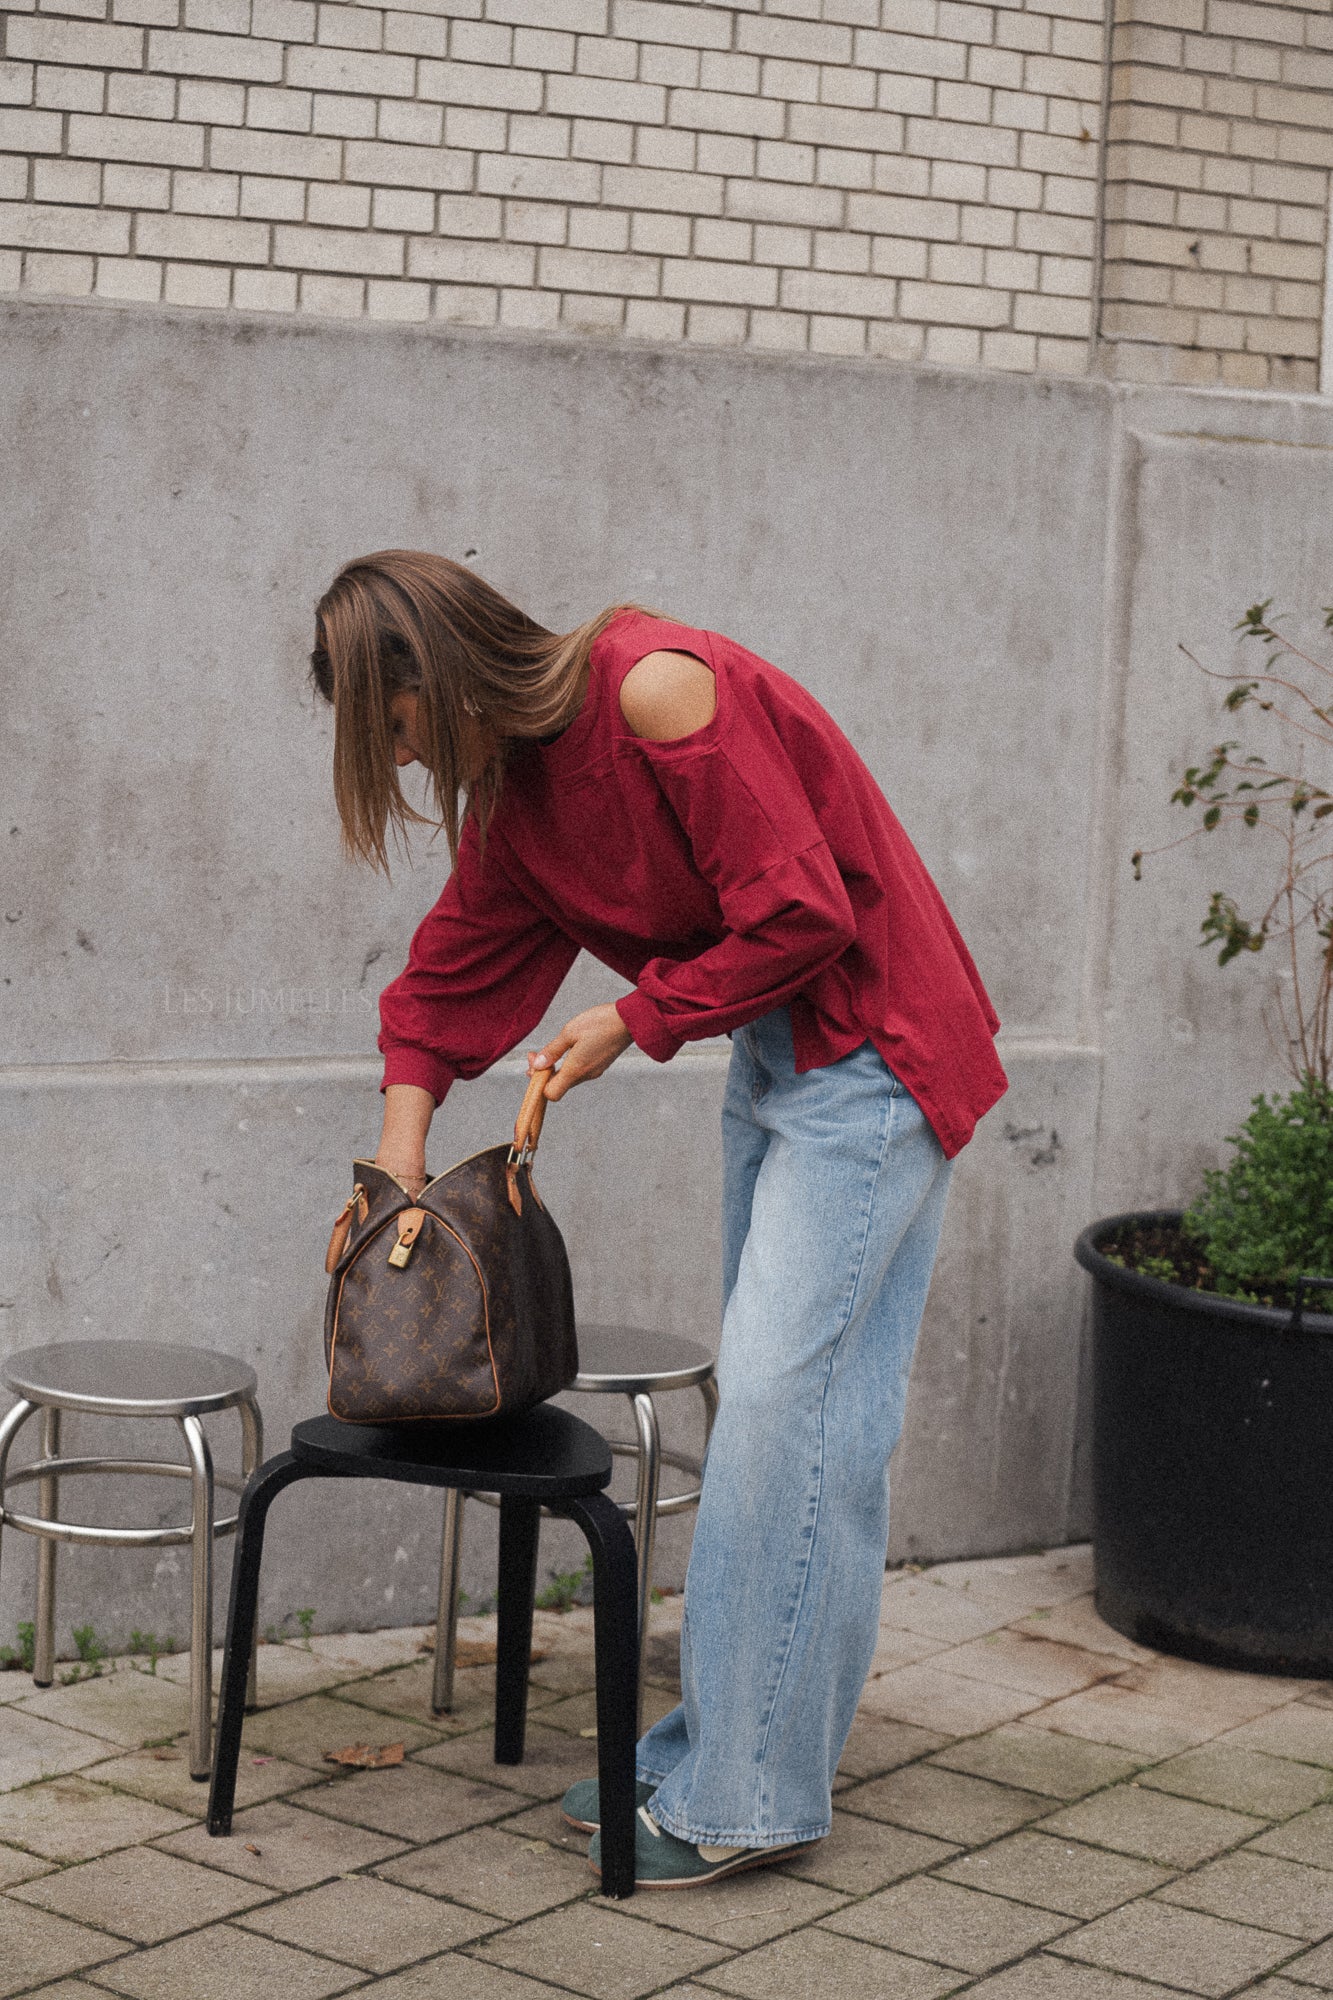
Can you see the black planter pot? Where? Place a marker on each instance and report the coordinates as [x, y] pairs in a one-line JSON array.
[[1212, 1469]]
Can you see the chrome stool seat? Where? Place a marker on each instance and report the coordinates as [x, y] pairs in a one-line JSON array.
[[638, 1363], [129, 1378]]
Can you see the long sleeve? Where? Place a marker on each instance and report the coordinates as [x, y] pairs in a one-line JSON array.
[[483, 967], [755, 838]]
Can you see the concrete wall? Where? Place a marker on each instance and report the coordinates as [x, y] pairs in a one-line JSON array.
[[984, 578]]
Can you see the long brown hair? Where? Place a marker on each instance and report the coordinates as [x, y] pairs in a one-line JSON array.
[[405, 620]]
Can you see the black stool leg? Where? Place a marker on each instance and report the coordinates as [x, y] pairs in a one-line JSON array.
[[616, 1640], [262, 1489], [520, 1521]]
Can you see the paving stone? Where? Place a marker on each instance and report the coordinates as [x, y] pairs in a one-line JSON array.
[[1248, 1780], [1043, 1977], [1299, 1730], [876, 1744], [285, 1672], [406, 1691], [1278, 1988], [594, 1949], [1077, 1624], [933, 1698], [35, 1946], [918, 1605], [1313, 1968], [282, 1847], [78, 1989], [301, 1731], [1109, 1713], [370, 1652], [460, 1977], [948, 1923], [543, 1822], [950, 1804], [1032, 1665], [1039, 1760], [501, 1873], [376, 1925], [864, 1854], [31, 1748], [1178, 1947], [1190, 1684], [552, 1760], [71, 1819], [141, 1895], [578, 1712], [224, 1963], [164, 1777], [815, 1964], [1058, 1875], [1159, 1827], [744, 1910], [128, 1707], [1260, 1889], [1308, 1838], [1021, 1584], [409, 1801], [16, 1867], [897, 1647]]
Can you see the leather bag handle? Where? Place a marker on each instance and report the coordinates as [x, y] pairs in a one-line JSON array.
[[528, 1124]]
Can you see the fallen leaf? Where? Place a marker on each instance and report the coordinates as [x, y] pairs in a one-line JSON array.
[[365, 1757], [588, 1732], [250, 1848], [167, 1756], [535, 1846], [261, 1760]]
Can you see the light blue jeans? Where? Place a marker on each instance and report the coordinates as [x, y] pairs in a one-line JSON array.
[[834, 1188]]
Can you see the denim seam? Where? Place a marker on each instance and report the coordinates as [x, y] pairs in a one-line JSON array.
[[736, 1837]]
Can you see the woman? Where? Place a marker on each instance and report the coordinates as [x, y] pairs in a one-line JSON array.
[[668, 801]]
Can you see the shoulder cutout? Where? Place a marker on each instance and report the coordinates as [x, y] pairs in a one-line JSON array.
[[668, 695]]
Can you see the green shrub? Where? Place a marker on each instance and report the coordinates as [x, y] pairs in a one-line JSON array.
[[1267, 1216]]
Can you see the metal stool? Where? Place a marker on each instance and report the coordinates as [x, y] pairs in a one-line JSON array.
[[627, 1361], [130, 1378]]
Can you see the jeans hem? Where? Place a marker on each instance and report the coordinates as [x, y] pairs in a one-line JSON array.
[[741, 1836]]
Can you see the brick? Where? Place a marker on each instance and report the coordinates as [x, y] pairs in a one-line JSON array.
[[202, 239], [1069, 317], [600, 97], [1066, 235], [1014, 270], [1060, 357], [337, 250], [779, 160], [954, 305], [130, 279], [691, 27], [1154, 164], [333, 298], [656, 235], [65, 180], [136, 187], [1048, 155], [141, 96], [536, 312], [957, 264], [914, 96], [205, 194], [717, 111], [390, 300], [840, 250], [472, 263], [272, 200], [895, 343], [203, 103], [836, 167], [277, 110], [775, 201], [598, 229], [471, 129], [477, 84], [714, 152], [26, 225], [898, 257], [71, 277], [855, 88], [671, 66], [1295, 184], [932, 139], [283, 20], [30, 131], [1306, 148], [402, 208], [737, 73], [969, 102], [137, 139], [78, 43], [236, 56], [336, 117], [598, 271], [285, 153], [1283, 336], [952, 347], [718, 283], [716, 326], [264, 291], [595, 139], [1025, 111], [16, 83], [1288, 260], [654, 319], [226, 17], [1029, 32], [534, 48], [415, 35], [779, 243], [1060, 76], [647, 188], [486, 42], [580, 17], [206, 285], [999, 68], [1013, 351], [829, 335], [1254, 23], [786, 332], [540, 180], [350, 27], [353, 70], [799, 81], [335, 207], [678, 152], [916, 55], [1067, 276], [835, 292], [894, 215], [798, 41], [410, 124], [995, 227], [831, 125]]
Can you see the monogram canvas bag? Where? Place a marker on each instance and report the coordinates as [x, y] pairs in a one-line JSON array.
[[456, 1305]]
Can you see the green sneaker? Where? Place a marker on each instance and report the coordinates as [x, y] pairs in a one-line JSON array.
[[579, 1806], [663, 1862]]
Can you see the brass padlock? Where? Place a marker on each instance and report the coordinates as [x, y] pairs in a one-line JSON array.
[[409, 1228]]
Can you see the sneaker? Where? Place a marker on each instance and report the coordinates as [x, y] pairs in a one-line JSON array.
[[579, 1806], [663, 1862]]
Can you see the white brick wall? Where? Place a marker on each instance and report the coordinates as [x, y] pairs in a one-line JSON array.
[[904, 178]]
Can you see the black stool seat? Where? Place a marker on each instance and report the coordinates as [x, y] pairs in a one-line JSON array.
[[546, 1457], [547, 1454]]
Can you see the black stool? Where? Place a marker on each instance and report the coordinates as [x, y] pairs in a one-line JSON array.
[[546, 1457]]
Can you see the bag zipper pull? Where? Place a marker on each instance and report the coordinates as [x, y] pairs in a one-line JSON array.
[[409, 1228]]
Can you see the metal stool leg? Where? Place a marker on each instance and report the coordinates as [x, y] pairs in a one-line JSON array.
[[10, 1426], [252, 1514], [44, 1648], [520, 1522], [446, 1613], [615, 1638], [645, 1526], [201, 1597], [252, 1452]]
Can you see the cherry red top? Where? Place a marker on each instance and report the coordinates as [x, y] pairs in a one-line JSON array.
[[752, 863]]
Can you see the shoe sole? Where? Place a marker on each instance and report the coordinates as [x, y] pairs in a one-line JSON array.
[[581, 1825], [762, 1857]]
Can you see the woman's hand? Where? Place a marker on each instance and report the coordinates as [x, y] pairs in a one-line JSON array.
[[589, 1044]]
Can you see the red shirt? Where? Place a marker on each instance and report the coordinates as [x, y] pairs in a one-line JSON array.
[[752, 863]]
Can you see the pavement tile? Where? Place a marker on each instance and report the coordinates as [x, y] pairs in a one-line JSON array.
[[1077, 1624], [876, 1744], [1190, 1684], [71, 1819], [1278, 1988], [933, 1698], [577, 1712], [501, 1873], [1109, 1713], [1039, 1760], [1058, 1875], [301, 1731], [860, 1855], [936, 1612], [745, 1910], [17, 1867], [35, 1946], [126, 1707], [459, 1977], [897, 1647], [950, 1804], [1155, 1825], [164, 1777], [31, 1748], [1032, 1665], [1313, 1968], [285, 1672], [224, 1963], [1298, 1730], [1178, 1947], [78, 1989], [543, 1822], [1021, 1584], [594, 1949], [406, 1691], [282, 1847], [552, 1760], [816, 1964], [1260, 1889], [379, 1926], [409, 1802], [1045, 1978], [1248, 1780], [370, 1652], [1308, 1837], [948, 1923], [141, 1895]]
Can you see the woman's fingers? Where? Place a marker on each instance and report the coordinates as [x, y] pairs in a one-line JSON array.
[[585, 1047]]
